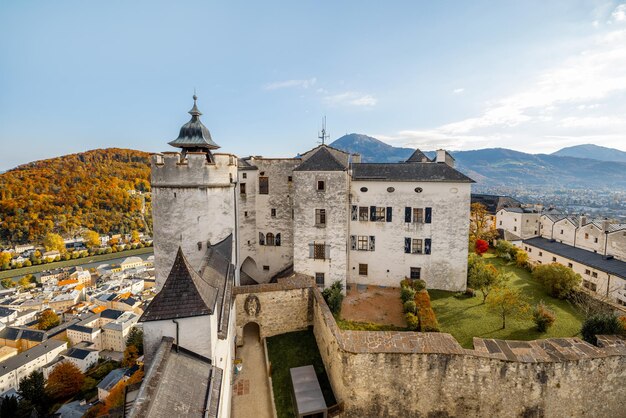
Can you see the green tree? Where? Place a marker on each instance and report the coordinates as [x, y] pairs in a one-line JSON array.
[[601, 324], [54, 241], [7, 283], [33, 389], [135, 338], [507, 302], [92, 238], [558, 280], [64, 381], [9, 407], [504, 249], [333, 296], [482, 276], [47, 320]]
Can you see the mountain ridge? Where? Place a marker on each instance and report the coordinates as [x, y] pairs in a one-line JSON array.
[[592, 151]]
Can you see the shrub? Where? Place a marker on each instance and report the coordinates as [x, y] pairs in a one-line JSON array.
[[558, 280], [543, 317], [427, 319], [409, 306], [601, 324], [334, 297], [418, 285], [412, 321], [406, 282], [521, 259], [481, 246], [506, 250], [469, 292], [407, 294]]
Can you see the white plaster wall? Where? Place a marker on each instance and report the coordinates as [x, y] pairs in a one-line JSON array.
[[545, 227], [610, 286], [192, 202], [564, 232], [617, 245], [446, 266], [335, 200], [195, 335], [509, 221], [589, 243], [223, 358]]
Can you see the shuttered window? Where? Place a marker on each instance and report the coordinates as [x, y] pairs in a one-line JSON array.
[[354, 213], [264, 185], [428, 215]]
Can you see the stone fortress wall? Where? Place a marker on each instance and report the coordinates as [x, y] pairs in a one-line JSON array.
[[408, 374]]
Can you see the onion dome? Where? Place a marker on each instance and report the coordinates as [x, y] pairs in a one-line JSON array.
[[194, 136]]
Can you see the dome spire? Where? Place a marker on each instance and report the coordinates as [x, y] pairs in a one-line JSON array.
[[194, 136], [195, 112]]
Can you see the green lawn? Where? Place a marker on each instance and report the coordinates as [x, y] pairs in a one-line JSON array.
[[17, 273], [294, 349], [465, 318]]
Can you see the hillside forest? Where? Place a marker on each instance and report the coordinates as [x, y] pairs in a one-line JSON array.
[[104, 190]]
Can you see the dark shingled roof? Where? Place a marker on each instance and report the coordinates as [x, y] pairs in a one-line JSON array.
[[111, 314], [184, 294], [245, 165], [194, 134], [588, 258], [78, 353], [81, 328], [494, 203], [408, 172], [418, 157], [322, 160]]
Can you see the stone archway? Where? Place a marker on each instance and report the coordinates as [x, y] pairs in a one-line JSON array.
[[251, 332], [248, 270]]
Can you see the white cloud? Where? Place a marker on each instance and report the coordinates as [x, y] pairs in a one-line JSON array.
[[619, 14], [305, 84], [599, 122], [351, 98], [458, 91]]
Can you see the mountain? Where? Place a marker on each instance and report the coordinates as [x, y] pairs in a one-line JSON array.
[[504, 167], [95, 189], [594, 152], [371, 149]]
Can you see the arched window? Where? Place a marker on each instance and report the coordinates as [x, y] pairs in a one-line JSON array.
[[261, 238], [270, 239], [277, 240]]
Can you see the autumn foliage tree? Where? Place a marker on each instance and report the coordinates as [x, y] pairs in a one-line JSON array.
[[482, 276], [54, 241], [507, 302], [64, 381], [481, 226], [48, 319], [481, 246], [92, 238]]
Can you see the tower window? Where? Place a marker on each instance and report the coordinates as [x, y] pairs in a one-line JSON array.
[[321, 185], [319, 279], [273, 212], [289, 179], [320, 217], [264, 185], [269, 239], [266, 268], [362, 269], [244, 175], [416, 273], [242, 188]]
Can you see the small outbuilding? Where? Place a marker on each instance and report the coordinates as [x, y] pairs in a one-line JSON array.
[[308, 396]]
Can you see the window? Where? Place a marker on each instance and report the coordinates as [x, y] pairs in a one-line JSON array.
[[540, 253], [500, 223], [319, 279], [363, 213], [594, 274], [321, 185], [242, 188], [320, 217], [589, 285], [277, 240], [244, 175], [570, 265], [416, 247], [586, 236], [245, 214], [554, 259], [416, 273], [378, 214], [319, 251], [273, 212], [362, 242], [269, 239], [264, 185], [418, 215], [266, 268], [362, 269], [514, 228], [289, 179], [261, 238], [587, 272], [595, 240], [364, 189], [561, 232]]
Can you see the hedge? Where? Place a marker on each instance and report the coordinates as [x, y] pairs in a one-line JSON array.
[[427, 319]]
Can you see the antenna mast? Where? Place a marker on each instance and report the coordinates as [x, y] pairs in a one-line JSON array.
[[323, 135]]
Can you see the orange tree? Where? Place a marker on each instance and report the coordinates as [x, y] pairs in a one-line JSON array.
[[48, 319], [65, 380]]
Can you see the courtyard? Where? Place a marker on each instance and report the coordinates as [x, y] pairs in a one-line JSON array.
[[375, 308]]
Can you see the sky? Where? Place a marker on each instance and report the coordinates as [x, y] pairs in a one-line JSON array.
[[533, 76]]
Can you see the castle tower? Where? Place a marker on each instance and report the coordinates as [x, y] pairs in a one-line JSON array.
[[193, 197]]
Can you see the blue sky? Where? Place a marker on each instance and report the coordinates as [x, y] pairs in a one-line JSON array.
[[529, 75]]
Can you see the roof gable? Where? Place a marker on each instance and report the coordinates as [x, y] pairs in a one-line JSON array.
[[184, 294], [418, 157], [322, 160]]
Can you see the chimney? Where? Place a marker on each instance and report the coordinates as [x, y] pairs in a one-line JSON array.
[[605, 225], [444, 157], [582, 221]]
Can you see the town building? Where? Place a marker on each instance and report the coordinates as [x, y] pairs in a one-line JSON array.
[[23, 364]]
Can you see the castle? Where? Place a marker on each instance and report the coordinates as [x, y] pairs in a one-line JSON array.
[[226, 229]]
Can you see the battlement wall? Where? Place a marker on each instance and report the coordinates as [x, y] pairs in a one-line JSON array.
[[170, 170], [431, 375]]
